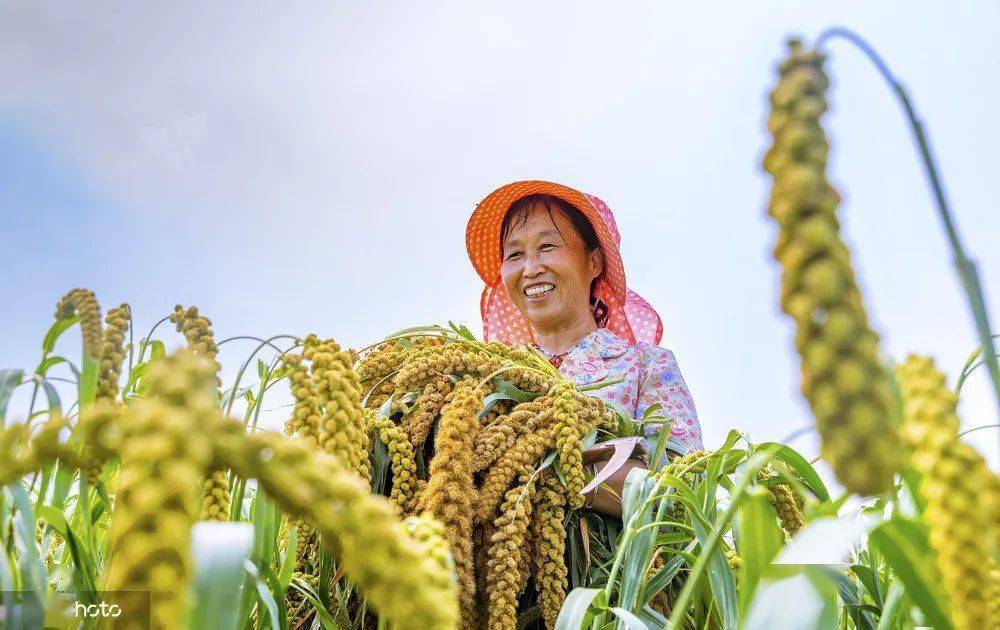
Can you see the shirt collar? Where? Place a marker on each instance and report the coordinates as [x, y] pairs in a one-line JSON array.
[[603, 343]]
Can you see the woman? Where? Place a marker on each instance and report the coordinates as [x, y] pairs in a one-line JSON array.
[[554, 278]]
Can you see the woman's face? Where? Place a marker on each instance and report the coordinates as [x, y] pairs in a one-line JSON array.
[[547, 271]]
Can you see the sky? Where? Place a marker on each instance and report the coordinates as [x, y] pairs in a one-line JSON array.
[[294, 168]]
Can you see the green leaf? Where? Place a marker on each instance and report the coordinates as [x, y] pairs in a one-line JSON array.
[[580, 608], [904, 544], [629, 620], [265, 518], [9, 381], [758, 540], [637, 545], [854, 605], [288, 563], [7, 586], [720, 578], [264, 593], [136, 375], [666, 575], [156, 350], [895, 609], [505, 391], [50, 362], [51, 395], [802, 468], [29, 560], [869, 580], [312, 597], [55, 330], [651, 411], [87, 385]]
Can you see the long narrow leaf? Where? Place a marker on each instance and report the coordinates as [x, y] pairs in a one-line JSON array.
[[264, 594], [904, 544], [802, 468], [9, 380], [580, 608], [758, 541], [32, 571]]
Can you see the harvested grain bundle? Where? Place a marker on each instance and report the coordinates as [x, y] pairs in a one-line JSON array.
[[842, 377], [450, 494], [954, 475], [498, 436], [549, 535], [165, 453], [405, 482], [429, 404], [569, 441], [484, 453], [197, 330], [505, 565]]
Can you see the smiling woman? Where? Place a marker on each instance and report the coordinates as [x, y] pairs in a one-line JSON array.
[[549, 256]]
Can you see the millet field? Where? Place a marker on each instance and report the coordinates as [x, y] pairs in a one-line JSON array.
[[433, 481]]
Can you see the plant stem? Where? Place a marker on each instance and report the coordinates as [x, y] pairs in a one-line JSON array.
[[965, 266]]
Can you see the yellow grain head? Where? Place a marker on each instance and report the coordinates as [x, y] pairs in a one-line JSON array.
[[519, 461], [450, 493], [165, 452], [420, 421], [197, 331], [494, 440], [569, 441], [83, 304], [550, 544], [505, 575], [401, 581], [842, 377], [404, 468], [428, 535], [954, 476], [305, 421], [18, 456], [343, 429], [112, 351]]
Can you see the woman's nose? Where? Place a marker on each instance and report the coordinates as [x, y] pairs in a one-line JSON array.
[[532, 265]]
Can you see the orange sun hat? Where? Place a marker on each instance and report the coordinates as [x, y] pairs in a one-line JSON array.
[[629, 316]]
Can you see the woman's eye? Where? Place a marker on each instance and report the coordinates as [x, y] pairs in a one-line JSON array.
[[512, 255], [547, 246]]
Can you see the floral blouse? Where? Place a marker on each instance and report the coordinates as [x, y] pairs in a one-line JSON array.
[[650, 376]]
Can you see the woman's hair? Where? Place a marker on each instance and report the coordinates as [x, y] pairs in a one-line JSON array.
[[518, 214]]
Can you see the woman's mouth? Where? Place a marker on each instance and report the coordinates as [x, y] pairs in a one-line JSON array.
[[539, 291]]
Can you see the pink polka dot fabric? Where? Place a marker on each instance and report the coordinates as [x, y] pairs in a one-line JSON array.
[[630, 317]]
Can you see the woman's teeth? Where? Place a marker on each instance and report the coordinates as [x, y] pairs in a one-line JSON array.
[[538, 289]]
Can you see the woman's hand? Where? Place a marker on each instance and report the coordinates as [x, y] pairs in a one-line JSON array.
[[606, 498], [623, 454]]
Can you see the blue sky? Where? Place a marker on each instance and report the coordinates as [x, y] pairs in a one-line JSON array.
[[291, 169]]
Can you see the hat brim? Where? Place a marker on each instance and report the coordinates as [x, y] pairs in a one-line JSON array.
[[482, 234]]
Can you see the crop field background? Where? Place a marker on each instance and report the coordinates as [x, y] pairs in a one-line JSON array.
[[291, 173]]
